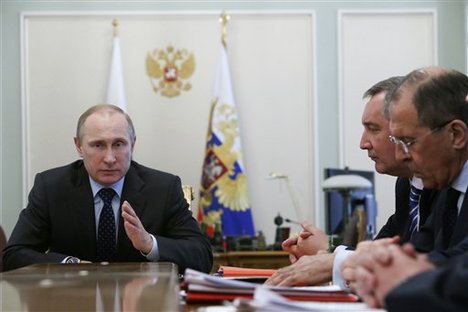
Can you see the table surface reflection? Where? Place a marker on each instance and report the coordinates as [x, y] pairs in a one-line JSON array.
[[91, 287]]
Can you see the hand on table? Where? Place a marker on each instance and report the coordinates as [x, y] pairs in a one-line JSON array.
[[309, 241], [363, 250], [376, 278], [307, 270]]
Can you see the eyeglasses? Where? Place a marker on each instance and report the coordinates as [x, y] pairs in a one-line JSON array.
[[405, 145]]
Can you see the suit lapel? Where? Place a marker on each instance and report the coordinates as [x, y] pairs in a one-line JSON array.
[[82, 203], [461, 227], [131, 192], [438, 209], [402, 200], [425, 204]]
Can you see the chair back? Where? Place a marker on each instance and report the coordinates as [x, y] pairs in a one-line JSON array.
[[188, 194], [3, 242]]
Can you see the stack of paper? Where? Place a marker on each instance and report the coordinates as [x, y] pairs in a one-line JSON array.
[[204, 287], [267, 300]]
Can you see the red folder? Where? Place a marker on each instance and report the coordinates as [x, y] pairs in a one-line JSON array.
[[206, 296], [230, 271]]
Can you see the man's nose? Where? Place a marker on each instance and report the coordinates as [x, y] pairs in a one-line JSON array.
[[400, 154], [365, 143], [109, 157]]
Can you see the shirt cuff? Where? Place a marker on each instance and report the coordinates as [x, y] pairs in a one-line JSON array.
[[340, 255], [153, 255]]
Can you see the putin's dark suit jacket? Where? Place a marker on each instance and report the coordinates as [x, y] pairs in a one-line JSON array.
[[59, 220], [399, 222]]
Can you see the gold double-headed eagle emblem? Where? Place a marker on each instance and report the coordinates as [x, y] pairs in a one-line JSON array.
[[169, 70]]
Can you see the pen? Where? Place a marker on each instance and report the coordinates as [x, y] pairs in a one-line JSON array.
[[291, 221]]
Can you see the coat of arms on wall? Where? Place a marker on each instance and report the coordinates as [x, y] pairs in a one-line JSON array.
[[169, 70]]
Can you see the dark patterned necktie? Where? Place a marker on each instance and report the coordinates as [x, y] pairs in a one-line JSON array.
[[415, 194], [106, 227], [450, 215]]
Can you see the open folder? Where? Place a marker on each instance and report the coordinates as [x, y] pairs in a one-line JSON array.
[[205, 287]]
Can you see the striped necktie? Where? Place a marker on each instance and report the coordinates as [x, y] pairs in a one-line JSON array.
[[415, 194], [106, 227]]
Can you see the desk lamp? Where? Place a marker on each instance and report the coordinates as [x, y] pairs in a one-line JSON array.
[[281, 176], [345, 184], [282, 233]]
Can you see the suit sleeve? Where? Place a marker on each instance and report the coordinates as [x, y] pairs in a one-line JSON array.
[[28, 242], [440, 257], [442, 289], [182, 241]]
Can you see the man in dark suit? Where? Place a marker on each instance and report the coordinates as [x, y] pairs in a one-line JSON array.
[[429, 118], [147, 216], [312, 269]]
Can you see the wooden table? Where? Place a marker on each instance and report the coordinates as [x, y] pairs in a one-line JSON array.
[[91, 287], [251, 259]]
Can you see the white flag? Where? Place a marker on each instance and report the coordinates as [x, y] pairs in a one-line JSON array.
[[115, 88]]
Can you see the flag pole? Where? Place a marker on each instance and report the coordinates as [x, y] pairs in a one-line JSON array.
[[224, 19], [115, 25], [115, 87]]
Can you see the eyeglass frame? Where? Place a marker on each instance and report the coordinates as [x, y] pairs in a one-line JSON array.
[[405, 146]]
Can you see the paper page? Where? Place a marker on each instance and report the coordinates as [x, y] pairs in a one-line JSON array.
[[267, 300]]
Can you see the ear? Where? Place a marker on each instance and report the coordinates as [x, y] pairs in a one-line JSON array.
[[459, 132], [133, 143], [78, 147]]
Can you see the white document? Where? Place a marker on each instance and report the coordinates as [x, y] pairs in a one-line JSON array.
[[267, 300]]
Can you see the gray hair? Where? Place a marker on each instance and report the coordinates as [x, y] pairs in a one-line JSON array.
[[439, 95], [388, 86], [99, 107]]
